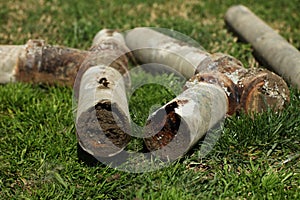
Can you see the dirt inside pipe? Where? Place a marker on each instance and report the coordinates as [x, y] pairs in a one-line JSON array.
[[103, 130]]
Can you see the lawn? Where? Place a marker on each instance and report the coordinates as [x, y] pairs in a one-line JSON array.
[[255, 158]]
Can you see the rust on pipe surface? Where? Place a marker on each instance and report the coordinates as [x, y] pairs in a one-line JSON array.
[[262, 89], [42, 63], [248, 90]]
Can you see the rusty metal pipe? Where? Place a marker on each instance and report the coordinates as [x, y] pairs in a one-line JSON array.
[[218, 84], [38, 62], [177, 126], [247, 94], [102, 118]]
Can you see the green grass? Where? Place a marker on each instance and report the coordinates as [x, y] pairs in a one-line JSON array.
[[255, 158]]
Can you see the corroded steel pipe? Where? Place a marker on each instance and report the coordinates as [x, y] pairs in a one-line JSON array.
[[38, 62], [150, 46], [102, 118], [177, 126], [218, 84]]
